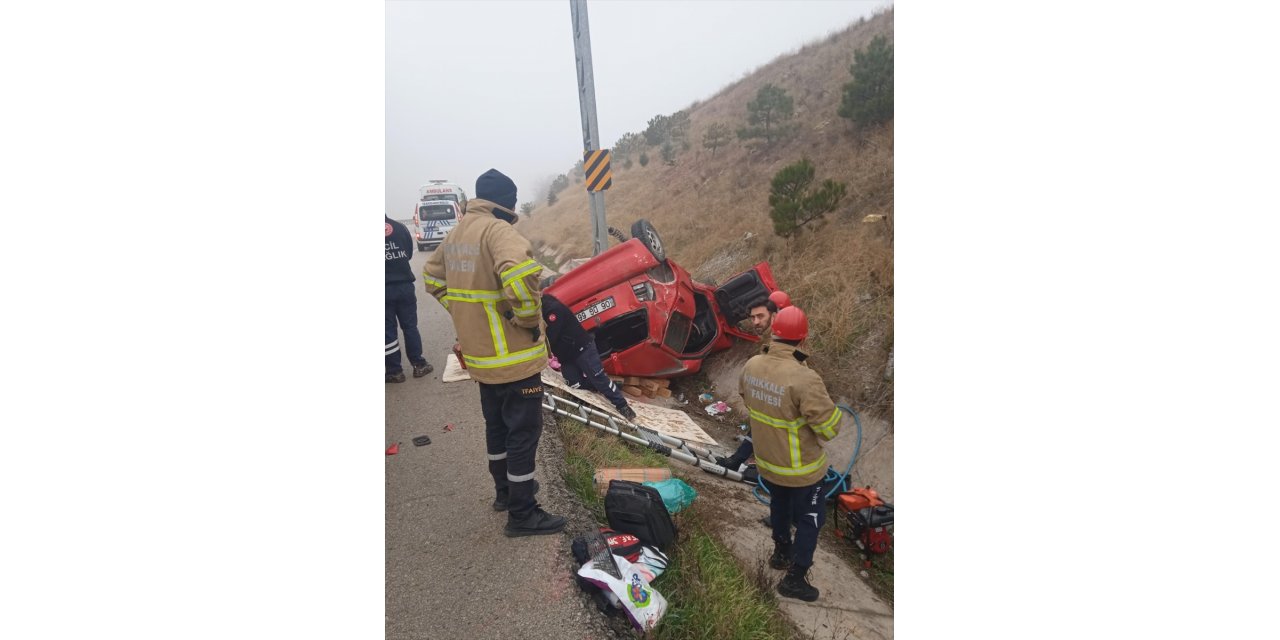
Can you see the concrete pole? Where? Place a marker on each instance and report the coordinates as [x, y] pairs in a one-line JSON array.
[[587, 103]]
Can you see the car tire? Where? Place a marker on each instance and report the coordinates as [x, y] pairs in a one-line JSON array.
[[649, 236]]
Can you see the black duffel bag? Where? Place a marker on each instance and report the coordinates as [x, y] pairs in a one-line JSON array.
[[638, 510]]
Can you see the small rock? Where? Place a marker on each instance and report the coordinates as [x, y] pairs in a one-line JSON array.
[[864, 573]]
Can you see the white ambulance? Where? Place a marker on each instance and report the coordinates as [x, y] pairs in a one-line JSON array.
[[440, 205]]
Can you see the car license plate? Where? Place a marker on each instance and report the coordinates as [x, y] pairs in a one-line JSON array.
[[595, 309]]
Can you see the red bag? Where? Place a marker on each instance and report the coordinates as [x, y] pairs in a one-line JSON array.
[[622, 544]]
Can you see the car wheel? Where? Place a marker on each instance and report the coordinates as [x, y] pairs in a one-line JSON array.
[[649, 236]]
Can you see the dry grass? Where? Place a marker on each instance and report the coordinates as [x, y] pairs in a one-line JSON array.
[[713, 216]]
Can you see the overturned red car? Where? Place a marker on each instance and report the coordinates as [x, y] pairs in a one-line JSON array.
[[647, 315]]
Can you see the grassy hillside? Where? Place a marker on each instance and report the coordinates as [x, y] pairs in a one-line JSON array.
[[713, 211]]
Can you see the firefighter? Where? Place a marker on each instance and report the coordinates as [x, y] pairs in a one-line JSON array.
[[791, 415], [485, 275], [762, 313], [401, 305], [576, 350]]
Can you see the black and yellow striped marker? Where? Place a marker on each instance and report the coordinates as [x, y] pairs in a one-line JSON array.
[[595, 165]]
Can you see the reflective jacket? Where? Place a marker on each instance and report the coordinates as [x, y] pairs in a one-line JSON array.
[[485, 275], [790, 415]]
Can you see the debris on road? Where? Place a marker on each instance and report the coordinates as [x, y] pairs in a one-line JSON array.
[[421, 441], [719, 408], [393, 449], [447, 427]]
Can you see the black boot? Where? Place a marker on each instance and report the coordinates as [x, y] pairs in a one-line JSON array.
[[504, 495], [794, 585], [781, 558], [525, 517], [731, 463], [537, 523]]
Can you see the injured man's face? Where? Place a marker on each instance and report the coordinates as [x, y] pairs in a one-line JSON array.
[[761, 319]]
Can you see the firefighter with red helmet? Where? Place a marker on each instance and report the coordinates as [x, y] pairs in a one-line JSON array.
[[791, 415]]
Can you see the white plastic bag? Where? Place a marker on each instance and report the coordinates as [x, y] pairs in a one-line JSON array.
[[643, 604]]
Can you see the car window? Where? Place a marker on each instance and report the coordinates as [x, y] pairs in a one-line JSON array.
[[435, 212]]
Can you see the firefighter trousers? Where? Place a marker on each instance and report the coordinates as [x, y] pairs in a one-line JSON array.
[[805, 508], [512, 426]]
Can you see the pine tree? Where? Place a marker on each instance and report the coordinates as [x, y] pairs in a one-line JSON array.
[[716, 136], [868, 99], [768, 115], [793, 205]]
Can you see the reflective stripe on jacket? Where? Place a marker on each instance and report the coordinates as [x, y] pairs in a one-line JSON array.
[[482, 273], [789, 412]]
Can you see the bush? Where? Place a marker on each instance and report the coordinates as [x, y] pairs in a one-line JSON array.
[[658, 131], [560, 183], [644, 159]]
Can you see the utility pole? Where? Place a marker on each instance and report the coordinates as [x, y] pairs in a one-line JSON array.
[[590, 127]]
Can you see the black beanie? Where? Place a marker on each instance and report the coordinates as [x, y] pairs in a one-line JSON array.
[[495, 187]]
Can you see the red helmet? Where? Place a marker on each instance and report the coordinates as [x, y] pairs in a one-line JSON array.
[[781, 299], [791, 324]]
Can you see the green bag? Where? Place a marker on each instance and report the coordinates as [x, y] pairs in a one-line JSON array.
[[676, 494]]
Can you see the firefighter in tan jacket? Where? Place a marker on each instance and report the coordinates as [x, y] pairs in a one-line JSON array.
[[762, 313], [485, 275], [791, 415]]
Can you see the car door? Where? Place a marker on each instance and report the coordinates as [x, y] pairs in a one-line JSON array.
[[734, 297]]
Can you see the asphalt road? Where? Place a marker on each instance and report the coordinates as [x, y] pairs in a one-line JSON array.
[[450, 573]]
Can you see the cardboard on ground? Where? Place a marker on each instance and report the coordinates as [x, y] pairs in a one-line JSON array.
[[666, 421]]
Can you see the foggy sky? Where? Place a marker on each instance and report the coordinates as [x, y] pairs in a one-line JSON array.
[[475, 85]]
